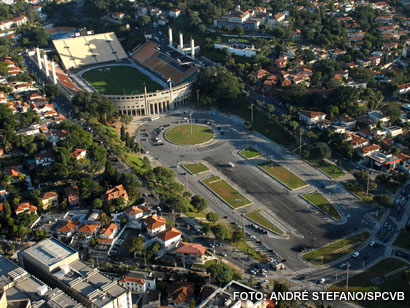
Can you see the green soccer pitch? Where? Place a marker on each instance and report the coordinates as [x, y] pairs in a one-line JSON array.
[[119, 80]]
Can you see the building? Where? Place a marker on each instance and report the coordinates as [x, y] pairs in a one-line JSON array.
[[237, 18], [50, 198], [187, 253], [155, 224], [59, 265], [138, 282], [25, 207], [19, 289], [180, 294], [133, 213], [394, 130], [384, 162], [73, 195], [169, 239], [174, 13], [115, 193], [224, 297], [87, 231], [110, 232], [67, 230], [311, 117], [79, 153], [238, 48]]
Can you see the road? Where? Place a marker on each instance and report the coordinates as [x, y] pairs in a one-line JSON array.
[[305, 226]]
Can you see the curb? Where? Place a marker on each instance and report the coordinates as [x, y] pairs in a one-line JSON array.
[[342, 217]]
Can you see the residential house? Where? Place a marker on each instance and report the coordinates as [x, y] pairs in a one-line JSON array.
[[79, 153], [50, 198], [67, 230], [114, 193], [347, 121], [45, 158], [311, 117], [378, 117], [169, 238], [394, 130], [25, 207], [87, 231], [138, 282], [155, 224], [368, 150], [190, 253], [73, 195], [133, 213], [117, 15], [109, 232], [180, 294], [14, 172], [174, 13]]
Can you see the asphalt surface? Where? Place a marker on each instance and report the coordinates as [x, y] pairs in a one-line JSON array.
[[306, 227]]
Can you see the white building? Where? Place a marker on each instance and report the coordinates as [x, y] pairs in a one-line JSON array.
[[311, 117], [138, 282], [155, 224], [169, 239], [238, 48]]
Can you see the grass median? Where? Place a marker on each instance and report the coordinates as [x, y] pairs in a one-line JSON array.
[[250, 153], [258, 218], [336, 250], [323, 204], [282, 175], [329, 169], [182, 135], [196, 168], [226, 192], [403, 240], [375, 279]]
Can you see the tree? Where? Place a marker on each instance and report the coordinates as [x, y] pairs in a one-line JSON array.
[[293, 125], [320, 151], [52, 90], [97, 203], [123, 133], [134, 244], [384, 200], [271, 108], [126, 119], [178, 204], [199, 203], [221, 272], [221, 232], [212, 217], [238, 235]]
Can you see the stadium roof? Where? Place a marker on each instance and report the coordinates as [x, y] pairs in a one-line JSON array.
[[91, 49]]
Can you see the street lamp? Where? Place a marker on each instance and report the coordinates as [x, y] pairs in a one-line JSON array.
[[197, 98], [252, 115], [347, 276], [190, 121]]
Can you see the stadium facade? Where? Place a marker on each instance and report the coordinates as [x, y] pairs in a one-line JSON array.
[[174, 65]]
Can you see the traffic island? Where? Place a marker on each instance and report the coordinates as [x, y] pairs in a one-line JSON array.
[[250, 153], [195, 168], [226, 192], [189, 134], [322, 204], [282, 175], [259, 219], [336, 250]]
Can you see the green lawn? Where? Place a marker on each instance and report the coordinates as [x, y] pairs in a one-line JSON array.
[[134, 160], [323, 204], [181, 134], [258, 218], [403, 240], [250, 153], [271, 129], [282, 175], [117, 80], [226, 192], [194, 214], [329, 169], [363, 283], [336, 250], [196, 168], [244, 246]]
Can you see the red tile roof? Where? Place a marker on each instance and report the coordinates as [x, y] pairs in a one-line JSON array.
[[25, 206], [191, 248], [168, 234], [133, 279], [68, 227], [154, 222], [49, 195], [87, 229], [180, 292]]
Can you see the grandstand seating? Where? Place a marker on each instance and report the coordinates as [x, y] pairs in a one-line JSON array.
[[85, 50], [149, 56]]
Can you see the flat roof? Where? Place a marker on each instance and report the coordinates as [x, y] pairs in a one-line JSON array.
[[49, 251]]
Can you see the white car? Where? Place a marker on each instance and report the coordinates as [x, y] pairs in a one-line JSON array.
[[322, 280], [356, 254], [372, 244]]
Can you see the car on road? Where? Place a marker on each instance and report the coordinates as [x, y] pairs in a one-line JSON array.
[[342, 265], [223, 254], [321, 280], [355, 254], [372, 244]]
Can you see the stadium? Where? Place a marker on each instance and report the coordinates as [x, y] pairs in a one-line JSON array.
[[153, 79]]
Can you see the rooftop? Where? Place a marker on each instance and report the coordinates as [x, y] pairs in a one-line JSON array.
[[49, 252]]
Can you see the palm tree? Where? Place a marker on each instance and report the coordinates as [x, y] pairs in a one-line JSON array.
[[21, 177], [7, 180]]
